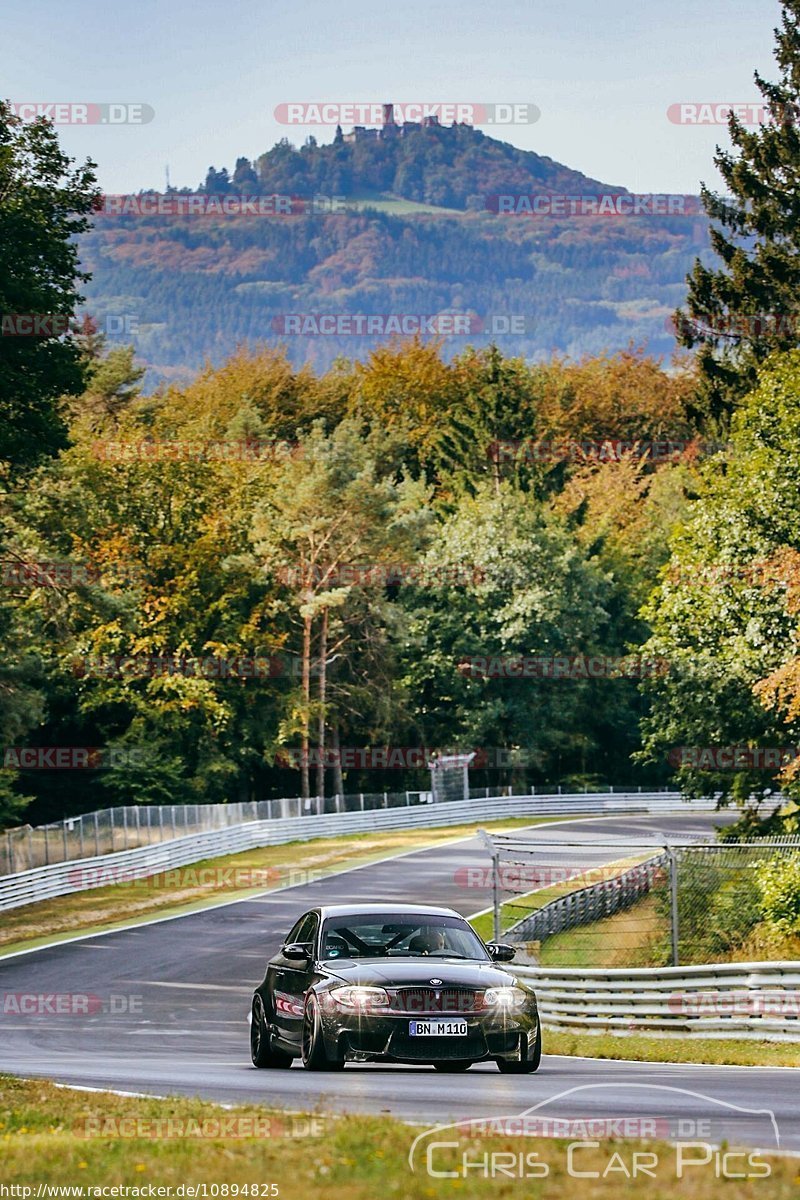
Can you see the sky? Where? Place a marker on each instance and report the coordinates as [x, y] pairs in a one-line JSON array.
[[603, 75]]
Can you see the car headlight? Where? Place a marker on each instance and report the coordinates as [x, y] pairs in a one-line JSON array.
[[505, 997], [360, 998]]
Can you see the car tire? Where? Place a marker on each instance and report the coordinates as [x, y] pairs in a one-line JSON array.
[[314, 1055], [524, 1065], [262, 1052], [452, 1068]]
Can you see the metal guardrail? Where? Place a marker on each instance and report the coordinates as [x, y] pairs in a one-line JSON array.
[[59, 879], [719, 1000], [591, 903], [132, 825]]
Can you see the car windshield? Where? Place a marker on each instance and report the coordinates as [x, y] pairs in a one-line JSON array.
[[400, 936]]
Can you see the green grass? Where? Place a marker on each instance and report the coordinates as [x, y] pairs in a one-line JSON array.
[[121, 904], [640, 937], [674, 1050], [631, 938], [64, 1137], [398, 206]]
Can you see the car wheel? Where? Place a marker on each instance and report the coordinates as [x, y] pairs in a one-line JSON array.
[[262, 1052], [314, 1054], [452, 1068], [529, 1057]]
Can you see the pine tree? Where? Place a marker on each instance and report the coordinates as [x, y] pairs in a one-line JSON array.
[[740, 312], [45, 202]]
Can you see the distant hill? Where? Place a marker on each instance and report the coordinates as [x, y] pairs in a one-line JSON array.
[[453, 167], [415, 238]]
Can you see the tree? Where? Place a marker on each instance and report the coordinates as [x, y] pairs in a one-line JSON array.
[[623, 514], [245, 179], [163, 538], [741, 311], [44, 204], [21, 696], [112, 385], [506, 579], [331, 509], [217, 182], [405, 391], [779, 691], [496, 404], [720, 615]]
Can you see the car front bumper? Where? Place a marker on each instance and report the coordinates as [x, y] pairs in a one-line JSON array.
[[386, 1036]]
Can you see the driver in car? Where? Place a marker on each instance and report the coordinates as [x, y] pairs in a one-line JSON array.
[[428, 942]]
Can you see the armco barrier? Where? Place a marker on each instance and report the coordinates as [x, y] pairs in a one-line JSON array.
[[59, 879], [129, 826], [719, 1000]]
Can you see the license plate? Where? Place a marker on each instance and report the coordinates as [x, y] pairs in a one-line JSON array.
[[437, 1028]]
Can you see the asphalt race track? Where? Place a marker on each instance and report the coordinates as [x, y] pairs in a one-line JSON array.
[[181, 989]]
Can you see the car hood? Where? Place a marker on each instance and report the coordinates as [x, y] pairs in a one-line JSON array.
[[416, 972]]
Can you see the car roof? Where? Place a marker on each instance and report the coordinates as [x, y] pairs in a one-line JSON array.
[[383, 906]]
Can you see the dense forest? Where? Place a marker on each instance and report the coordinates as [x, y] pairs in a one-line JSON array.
[[227, 583], [388, 520]]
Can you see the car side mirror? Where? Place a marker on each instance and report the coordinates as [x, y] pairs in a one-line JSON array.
[[501, 952], [297, 950]]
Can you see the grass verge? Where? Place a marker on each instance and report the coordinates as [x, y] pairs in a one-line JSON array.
[[717, 1052], [631, 938], [63, 1137], [512, 911], [217, 880]]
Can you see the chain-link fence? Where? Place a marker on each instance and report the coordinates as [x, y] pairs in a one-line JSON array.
[[130, 826], [627, 903], [127, 827]]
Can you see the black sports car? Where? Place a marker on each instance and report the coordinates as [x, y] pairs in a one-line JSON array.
[[397, 982]]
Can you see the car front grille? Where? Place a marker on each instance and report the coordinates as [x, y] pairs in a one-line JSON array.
[[432, 1049], [424, 1000]]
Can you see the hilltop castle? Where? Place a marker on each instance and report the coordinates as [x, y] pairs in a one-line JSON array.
[[389, 129]]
